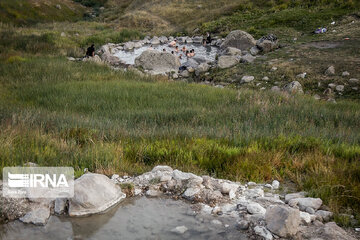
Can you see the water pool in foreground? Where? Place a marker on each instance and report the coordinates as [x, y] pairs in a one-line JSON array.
[[138, 218], [206, 52]]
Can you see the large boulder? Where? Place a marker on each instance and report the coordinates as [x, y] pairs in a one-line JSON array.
[[331, 231], [231, 51], [227, 61], [158, 62], [282, 221], [238, 39], [155, 41], [110, 59], [94, 193]]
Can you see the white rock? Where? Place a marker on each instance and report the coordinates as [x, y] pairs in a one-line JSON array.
[[153, 193], [282, 221], [38, 216], [180, 229], [273, 69], [94, 193], [255, 208], [265, 78], [330, 71], [302, 75], [268, 186], [305, 217], [303, 203], [254, 193], [263, 232], [354, 80], [247, 79], [162, 169], [275, 184], [340, 88], [290, 196], [190, 193], [227, 187], [345, 74]]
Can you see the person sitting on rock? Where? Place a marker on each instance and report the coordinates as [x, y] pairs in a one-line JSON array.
[[207, 40], [183, 49], [90, 52], [172, 43]]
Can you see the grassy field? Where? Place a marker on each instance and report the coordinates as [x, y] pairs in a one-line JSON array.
[[55, 112], [60, 113]]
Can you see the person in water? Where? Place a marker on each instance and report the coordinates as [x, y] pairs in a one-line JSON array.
[[164, 50], [177, 49], [192, 53], [172, 43], [151, 47], [188, 54], [90, 52], [183, 49]]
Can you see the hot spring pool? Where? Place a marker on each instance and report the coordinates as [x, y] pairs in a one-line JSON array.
[[138, 218], [205, 52]]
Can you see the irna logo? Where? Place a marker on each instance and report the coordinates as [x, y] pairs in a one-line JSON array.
[[37, 180]]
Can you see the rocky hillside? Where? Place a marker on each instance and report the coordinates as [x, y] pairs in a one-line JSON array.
[[22, 12]]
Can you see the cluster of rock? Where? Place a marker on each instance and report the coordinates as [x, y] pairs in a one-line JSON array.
[[237, 47], [256, 209]]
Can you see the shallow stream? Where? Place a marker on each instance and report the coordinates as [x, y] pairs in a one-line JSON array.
[[138, 218]]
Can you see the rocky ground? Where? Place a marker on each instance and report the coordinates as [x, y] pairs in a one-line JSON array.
[[324, 66], [260, 211]]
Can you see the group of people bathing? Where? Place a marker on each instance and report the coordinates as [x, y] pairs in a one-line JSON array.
[[184, 50]]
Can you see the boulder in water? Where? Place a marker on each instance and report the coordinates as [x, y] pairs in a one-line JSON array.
[[94, 193], [157, 62]]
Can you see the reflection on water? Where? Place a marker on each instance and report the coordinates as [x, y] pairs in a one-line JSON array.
[[206, 52], [142, 218]]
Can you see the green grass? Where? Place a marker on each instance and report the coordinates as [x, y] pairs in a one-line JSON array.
[[59, 113]]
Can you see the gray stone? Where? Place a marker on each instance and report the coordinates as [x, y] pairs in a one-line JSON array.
[[332, 85], [247, 79], [110, 59], [310, 210], [331, 231], [340, 88], [293, 87], [60, 205], [275, 89], [162, 169], [203, 67], [303, 203], [273, 69], [265, 78], [345, 74], [94, 193], [153, 193], [197, 39], [158, 62], [227, 61], [255, 208], [290, 196], [191, 193], [129, 46], [185, 74], [180, 229], [354, 81], [330, 71], [242, 225], [263, 232], [37, 216], [317, 97], [227, 187], [305, 217], [248, 58], [155, 41], [254, 51], [324, 215], [63, 34], [254, 193], [231, 51], [163, 39], [238, 39], [191, 63], [282, 221], [266, 46], [301, 75]]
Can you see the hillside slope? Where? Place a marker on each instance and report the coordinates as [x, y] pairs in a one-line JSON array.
[[22, 12]]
